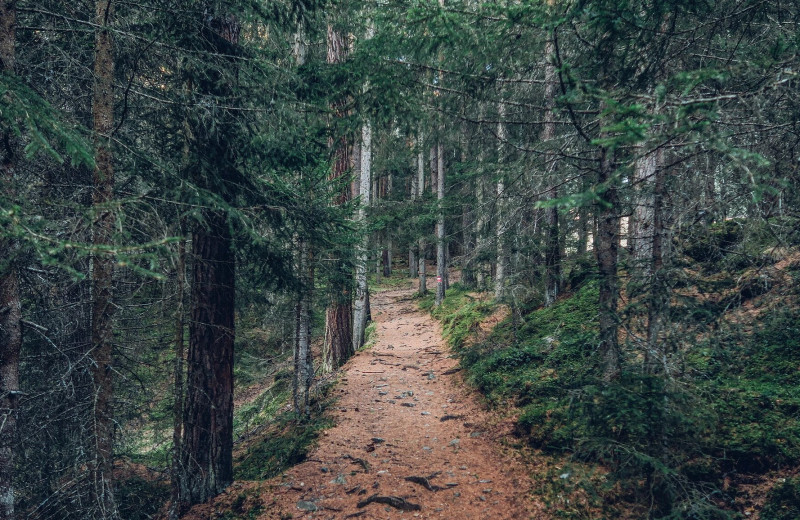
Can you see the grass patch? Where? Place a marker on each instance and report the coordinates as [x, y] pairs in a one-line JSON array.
[[284, 443], [643, 445], [265, 406]]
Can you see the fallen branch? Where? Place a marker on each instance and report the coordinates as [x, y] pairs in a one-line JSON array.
[[424, 482], [395, 502]]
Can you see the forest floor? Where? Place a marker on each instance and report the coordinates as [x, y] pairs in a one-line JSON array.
[[410, 441]]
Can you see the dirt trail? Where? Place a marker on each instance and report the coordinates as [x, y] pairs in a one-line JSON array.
[[402, 413]]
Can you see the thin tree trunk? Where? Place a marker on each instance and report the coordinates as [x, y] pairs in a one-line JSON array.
[[178, 389], [412, 252], [423, 280], [362, 290], [606, 250], [658, 307], [303, 360], [10, 303], [499, 278], [387, 255], [480, 237], [101, 465], [552, 242], [467, 230], [642, 232], [441, 255]]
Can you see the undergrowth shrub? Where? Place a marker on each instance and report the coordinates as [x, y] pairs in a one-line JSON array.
[[663, 444]]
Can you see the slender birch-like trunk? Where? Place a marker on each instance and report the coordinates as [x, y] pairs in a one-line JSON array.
[[362, 291], [499, 278], [423, 280]]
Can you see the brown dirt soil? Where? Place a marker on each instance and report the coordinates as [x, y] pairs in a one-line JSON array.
[[402, 412]]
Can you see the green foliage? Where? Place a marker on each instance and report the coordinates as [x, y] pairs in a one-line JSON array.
[[662, 442], [24, 113], [783, 501], [751, 383]]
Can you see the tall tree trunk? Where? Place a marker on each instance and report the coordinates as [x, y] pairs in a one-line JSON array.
[[362, 290], [441, 254], [303, 360], [178, 389], [101, 465], [658, 306], [207, 444], [480, 236], [642, 233], [552, 241], [338, 344], [412, 248], [208, 418], [467, 216], [606, 250], [423, 280], [499, 278], [10, 303]]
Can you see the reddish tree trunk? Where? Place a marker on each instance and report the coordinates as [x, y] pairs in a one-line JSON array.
[[208, 418], [338, 344]]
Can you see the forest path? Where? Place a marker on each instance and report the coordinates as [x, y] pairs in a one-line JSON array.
[[402, 412]]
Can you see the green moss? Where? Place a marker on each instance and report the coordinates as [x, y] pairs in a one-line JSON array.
[[783, 501], [285, 444]]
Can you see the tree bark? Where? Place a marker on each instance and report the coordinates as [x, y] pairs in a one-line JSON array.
[[303, 360], [552, 242], [413, 268], [178, 389], [658, 306], [606, 250], [207, 443], [338, 344], [499, 278], [101, 465], [362, 290], [208, 419], [423, 280], [441, 254], [10, 303]]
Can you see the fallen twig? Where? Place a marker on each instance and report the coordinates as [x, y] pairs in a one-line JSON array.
[[396, 502]]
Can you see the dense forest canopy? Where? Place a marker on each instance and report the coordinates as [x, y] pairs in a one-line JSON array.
[[198, 193]]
